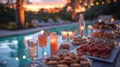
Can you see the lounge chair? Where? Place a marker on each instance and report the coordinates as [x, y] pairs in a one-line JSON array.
[[106, 18], [35, 23], [51, 21], [60, 21]]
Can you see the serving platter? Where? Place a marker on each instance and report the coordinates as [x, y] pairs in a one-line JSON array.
[[49, 65], [110, 59]]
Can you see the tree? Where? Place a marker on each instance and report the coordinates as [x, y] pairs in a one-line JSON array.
[[6, 14], [20, 14], [74, 4], [79, 6]]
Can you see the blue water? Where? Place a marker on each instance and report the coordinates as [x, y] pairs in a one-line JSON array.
[[13, 49]]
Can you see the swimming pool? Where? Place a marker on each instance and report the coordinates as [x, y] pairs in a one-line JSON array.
[[13, 49]]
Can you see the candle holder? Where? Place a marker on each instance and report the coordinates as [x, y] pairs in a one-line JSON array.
[[53, 43], [82, 31], [90, 28], [71, 36], [76, 32], [64, 36]]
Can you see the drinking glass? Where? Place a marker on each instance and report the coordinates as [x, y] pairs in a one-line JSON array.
[[42, 43], [89, 30], [64, 36], [76, 33], [33, 50], [71, 35]]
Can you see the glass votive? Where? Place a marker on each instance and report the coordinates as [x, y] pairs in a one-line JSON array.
[[89, 30], [71, 35], [82, 28], [64, 35]]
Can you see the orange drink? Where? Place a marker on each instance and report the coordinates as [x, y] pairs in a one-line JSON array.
[[42, 40]]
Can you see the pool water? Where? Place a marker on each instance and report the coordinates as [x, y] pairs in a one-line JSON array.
[[13, 49]]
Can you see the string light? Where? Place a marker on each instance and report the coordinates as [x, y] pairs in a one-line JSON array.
[[115, 1], [85, 4], [68, 1], [69, 8], [103, 2], [97, 3], [91, 4], [80, 1], [108, 1]]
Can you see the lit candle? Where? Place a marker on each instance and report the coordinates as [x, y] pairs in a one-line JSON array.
[[71, 35], [82, 31], [53, 43], [64, 35], [82, 28]]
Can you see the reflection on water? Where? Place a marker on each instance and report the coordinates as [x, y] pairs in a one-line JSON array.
[[13, 50]]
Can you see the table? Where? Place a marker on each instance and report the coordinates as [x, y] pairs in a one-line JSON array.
[[96, 63]]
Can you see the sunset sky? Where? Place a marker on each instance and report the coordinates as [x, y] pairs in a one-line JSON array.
[[40, 1], [38, 4], [48, 1]]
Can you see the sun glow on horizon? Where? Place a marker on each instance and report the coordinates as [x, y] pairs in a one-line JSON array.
[[37, 7]]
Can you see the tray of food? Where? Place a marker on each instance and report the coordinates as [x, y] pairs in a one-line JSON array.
[[78, 41], [103, 35], [103, 52], [70, 59], [104, 26]]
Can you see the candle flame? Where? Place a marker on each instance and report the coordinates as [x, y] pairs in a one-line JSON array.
[[52, 40], [82, 28], [70, 33], [64, 33]]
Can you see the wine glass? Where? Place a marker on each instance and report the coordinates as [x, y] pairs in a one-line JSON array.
[[71, 35], [89, 30], [64, 35], [76, 33], [42, 43], [33, 50]]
